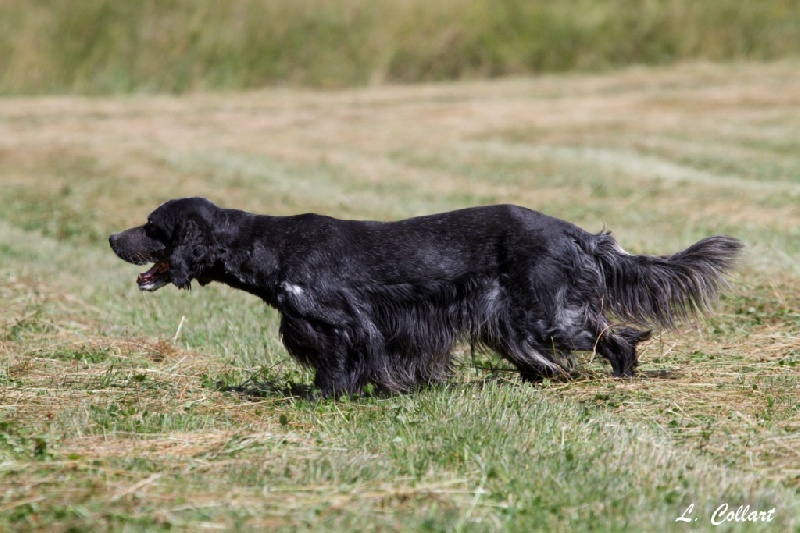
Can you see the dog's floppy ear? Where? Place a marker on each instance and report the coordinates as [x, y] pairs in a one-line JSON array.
[[191, 254]]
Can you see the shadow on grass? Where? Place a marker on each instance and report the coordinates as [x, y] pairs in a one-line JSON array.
[[662, 373], [259, 386]]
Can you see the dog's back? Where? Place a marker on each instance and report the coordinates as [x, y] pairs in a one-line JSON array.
[[443, 246]]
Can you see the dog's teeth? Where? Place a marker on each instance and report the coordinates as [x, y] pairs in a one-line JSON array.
[[152, 286]]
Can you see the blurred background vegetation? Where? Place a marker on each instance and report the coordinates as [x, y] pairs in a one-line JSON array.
[[119, 46]]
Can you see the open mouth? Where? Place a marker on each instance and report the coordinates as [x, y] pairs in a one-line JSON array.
[[155, 278]]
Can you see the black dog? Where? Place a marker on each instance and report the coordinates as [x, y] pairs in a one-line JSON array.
[[385, 302]]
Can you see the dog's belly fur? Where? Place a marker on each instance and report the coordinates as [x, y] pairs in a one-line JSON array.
[[386, 302]]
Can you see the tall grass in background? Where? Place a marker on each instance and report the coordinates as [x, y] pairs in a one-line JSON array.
[[113, 46]]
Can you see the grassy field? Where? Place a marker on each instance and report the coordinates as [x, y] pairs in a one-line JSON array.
[[109, 46], [128, 411]]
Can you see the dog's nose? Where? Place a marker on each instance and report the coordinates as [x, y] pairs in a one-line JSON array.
[[111, 239]]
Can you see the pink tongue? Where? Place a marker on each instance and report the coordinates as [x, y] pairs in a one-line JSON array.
[[153, 272]]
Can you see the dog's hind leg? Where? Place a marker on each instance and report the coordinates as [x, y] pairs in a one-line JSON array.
[[523, 352], [618, 346], [536, 372], [620, 349], [585, 328], [543, 361], [619, 352]]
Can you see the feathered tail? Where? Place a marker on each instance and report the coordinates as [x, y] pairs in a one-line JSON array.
[[662, 290]]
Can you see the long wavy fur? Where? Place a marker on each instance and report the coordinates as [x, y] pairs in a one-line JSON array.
[[662, 290]]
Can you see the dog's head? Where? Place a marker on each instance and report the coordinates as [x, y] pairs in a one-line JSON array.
[[176, 238]]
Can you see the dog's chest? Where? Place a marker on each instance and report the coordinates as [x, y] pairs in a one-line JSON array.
[[292, 297]]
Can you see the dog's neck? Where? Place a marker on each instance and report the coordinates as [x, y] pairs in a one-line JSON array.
[[246, 263]]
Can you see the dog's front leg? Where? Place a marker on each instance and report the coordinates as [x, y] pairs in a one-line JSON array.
[[322, 347], [338, 372], [318, 329]]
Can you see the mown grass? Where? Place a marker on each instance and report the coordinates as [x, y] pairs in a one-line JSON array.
[[106, 46], [129, 411]]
